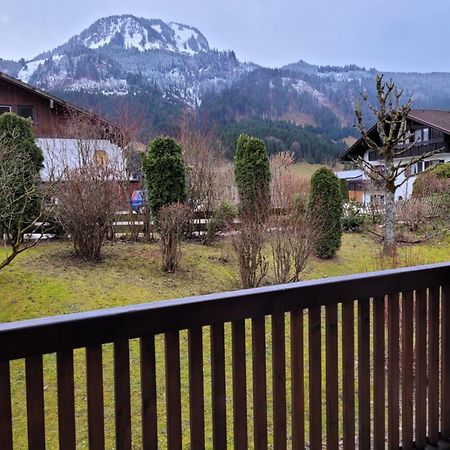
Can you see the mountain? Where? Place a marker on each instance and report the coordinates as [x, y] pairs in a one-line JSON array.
[[158, 69], [120, 54]]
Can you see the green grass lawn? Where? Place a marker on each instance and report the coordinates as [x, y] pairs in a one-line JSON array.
[[48, 280], [305, 169]]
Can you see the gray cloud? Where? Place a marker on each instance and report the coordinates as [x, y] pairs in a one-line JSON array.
[[390, 35]]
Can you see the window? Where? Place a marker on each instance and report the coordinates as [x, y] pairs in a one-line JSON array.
[[27, 112], [101, 157], [417, 135], [434, 162], [426, 134], [5, 109]]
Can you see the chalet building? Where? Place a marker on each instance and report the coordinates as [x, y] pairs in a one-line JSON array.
[[429, 130], [59, 126]]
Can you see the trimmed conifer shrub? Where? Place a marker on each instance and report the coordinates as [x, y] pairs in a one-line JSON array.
[[20, 182], [252, 173], [326, 205], [165, 173]]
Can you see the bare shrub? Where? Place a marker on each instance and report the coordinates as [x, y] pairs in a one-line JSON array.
[[248, 244], [171, 220], [415, 212], [293, 229], [91, 187], [88, 198], [204, 157]]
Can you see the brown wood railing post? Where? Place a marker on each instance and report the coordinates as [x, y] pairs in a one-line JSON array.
[[297, 380], [259, 383], [66, 400], [239, 385], [378, 374], [332, 374], [218, 387], [393, 373], [433, 365], [148, 393], [364, 374], [173, 390], [196, 391], [122, 394], [445, 362], [421, 368], [35, 402], [95, 402], [6, 436], [315, 379], [348, 373], [407, 370]]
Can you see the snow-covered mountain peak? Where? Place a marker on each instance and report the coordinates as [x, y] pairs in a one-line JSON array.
[[130, 32]]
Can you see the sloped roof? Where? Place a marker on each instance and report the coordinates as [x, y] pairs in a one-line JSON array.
[[434, 118], [57, 100]]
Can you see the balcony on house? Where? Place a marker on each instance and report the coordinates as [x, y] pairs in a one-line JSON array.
[[360, 361]]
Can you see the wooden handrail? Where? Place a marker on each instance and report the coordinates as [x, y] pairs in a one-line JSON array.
[[18, 339], [399, 318]]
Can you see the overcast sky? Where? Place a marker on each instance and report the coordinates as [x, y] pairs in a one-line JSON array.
[[408, 35]]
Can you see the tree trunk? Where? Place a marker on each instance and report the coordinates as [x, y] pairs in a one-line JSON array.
[[389, 223]]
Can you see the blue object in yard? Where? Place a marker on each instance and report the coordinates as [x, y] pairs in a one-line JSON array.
[[136, 200]]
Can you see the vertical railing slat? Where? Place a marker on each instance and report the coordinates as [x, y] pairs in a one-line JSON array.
[[6, 434], [297, 380], [122, 394], [196, 390], [433, 365], [331, 344], [393, 372], [173, 390], [279, 381], [35, 402], [239, 385], [315, 379], [95, 402], [66, 400], [259, 383], [378, 374], [218, 387], [148, 393], [364, 374], [445, 362], [421, 368], [407, 370], [348, 373]]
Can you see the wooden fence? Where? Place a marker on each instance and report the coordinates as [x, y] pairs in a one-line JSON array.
[[374, 349]]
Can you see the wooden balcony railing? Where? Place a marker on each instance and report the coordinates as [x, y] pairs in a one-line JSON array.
[[420, 149], [363, 363]]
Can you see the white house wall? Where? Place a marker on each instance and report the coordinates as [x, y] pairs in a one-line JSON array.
[[63, 154]]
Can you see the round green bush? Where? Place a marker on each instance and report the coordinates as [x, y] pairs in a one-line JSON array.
[[326, 207], [165, 173]]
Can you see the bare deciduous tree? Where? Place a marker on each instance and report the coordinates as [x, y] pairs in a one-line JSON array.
[[171, 220], [293, 229], [203, 155], [248, 244], [90, 190], [393, 140]]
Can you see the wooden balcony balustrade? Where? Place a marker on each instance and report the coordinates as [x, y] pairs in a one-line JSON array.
[[374, 349]]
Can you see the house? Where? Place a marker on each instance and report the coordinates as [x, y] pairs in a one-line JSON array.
[[429, 131], [60, 127]]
